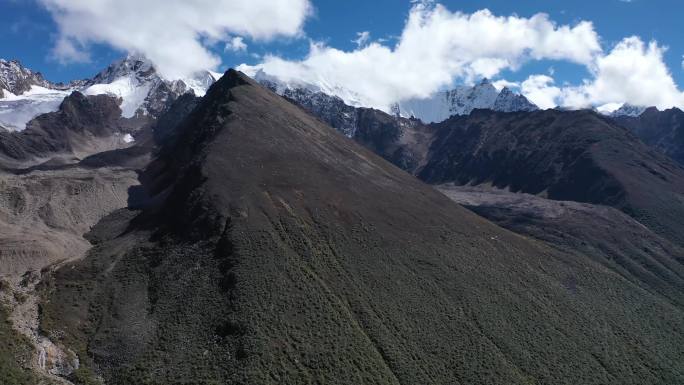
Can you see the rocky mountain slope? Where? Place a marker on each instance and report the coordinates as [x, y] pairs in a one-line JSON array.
[[275, 250], [663, 130], [564, 155]]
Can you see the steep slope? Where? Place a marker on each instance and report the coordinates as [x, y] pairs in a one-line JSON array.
[[663, 130], [603, 233], [564, 155], [278, 251]]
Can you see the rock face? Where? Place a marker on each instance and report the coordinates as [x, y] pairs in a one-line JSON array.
[[507, 101], [278, 251], [663, 130], [17, 79], [330, 109]]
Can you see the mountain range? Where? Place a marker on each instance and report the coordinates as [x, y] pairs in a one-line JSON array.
[[224, 229], [25, 94]]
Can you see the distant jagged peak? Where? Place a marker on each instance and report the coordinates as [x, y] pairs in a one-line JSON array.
[[132, 64], [462, 100], [630, 110], [17, 79], [509, 101]]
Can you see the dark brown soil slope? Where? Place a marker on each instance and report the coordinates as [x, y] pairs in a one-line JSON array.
[[281, 252]]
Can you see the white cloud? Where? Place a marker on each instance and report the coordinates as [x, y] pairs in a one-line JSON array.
[[170, 32], [540, 90], [633, 72], [500, 84], [435, 48], [236, 44], [361, 38]]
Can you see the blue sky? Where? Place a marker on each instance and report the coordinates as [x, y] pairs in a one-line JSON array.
[[28, 32]]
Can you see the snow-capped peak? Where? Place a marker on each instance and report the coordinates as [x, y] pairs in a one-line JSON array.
[[141, 88], [25, 94], [130, 66], [17, 79], [629, 110], [462, 100], [509, 101]]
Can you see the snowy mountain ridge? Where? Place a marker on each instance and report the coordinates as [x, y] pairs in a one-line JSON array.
[[629, 110], [133, 80], [462, 100]]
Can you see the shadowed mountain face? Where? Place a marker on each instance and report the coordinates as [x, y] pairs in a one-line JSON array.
[[573, 155], [278, 251], [663, 130]]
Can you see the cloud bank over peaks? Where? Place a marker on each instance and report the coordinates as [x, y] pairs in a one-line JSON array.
[[633, 72], [171, 33], [436, 48]]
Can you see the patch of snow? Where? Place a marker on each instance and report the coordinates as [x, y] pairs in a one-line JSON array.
[[131, 92], [128, 138], [17, 110], [608, 108]]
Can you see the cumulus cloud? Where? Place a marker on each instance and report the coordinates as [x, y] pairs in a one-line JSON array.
[[170, 32], [436, 48], [236, 44], [540, 90], [632, 72], [501, 83]]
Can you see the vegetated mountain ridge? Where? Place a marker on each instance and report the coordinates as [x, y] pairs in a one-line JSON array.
[[278, 251]]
